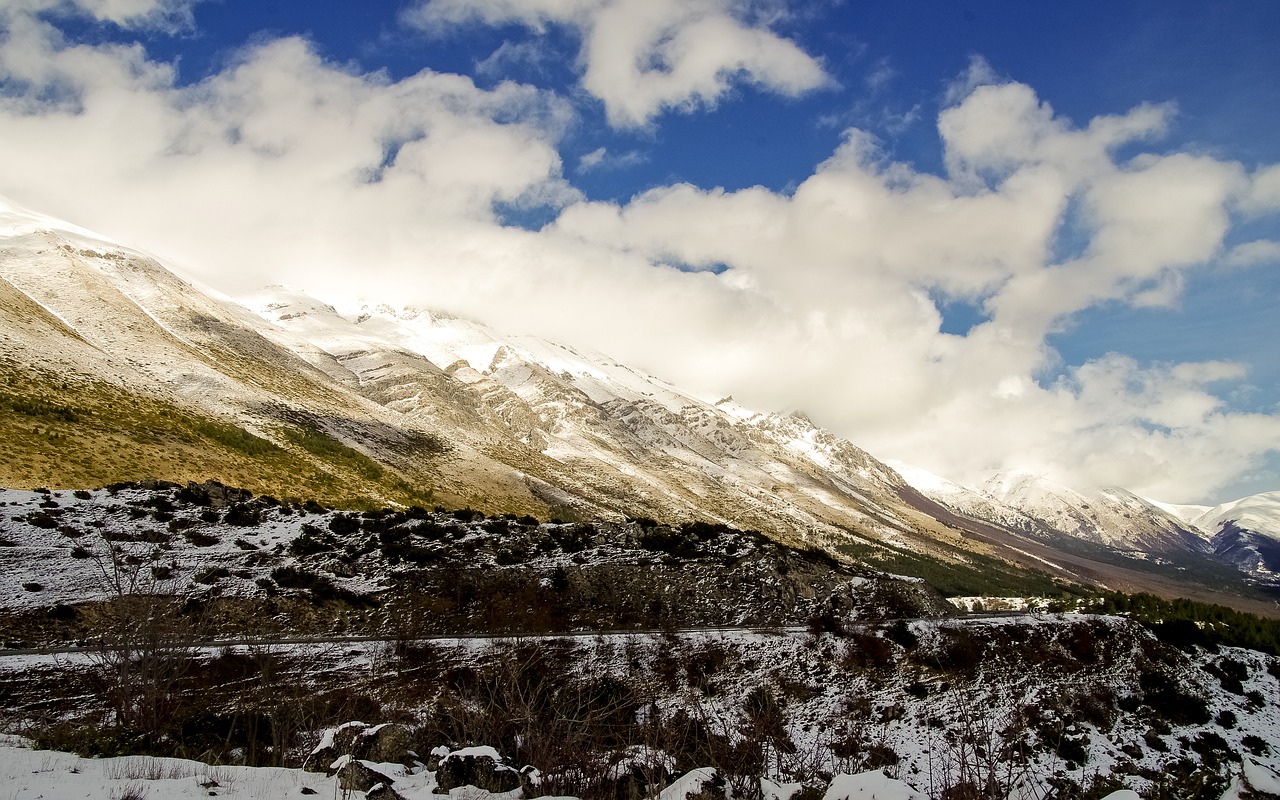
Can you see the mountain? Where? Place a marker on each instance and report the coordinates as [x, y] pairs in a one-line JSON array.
[[1110, 516], [593, 436], [1246, 533], [117, 369]]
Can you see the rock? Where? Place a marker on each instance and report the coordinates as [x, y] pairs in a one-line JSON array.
[[357, 775], [704, 783], [433, 758], [387, 743], [480, 767], [335, 742], [384, 744], [382, 791]]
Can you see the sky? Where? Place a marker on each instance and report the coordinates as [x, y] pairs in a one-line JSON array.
[[969, 236]]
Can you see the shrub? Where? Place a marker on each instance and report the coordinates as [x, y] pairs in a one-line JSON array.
[[344, 524], [1168, 700], [311, 541], [900, 632], [200, 538], [243, 515], [211, 575], [1256, 745]]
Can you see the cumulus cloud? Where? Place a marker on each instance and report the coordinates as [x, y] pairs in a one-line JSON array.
[[284, 167], [643, 57]]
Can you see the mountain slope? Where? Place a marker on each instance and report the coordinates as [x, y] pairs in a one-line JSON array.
[[1246, 533], [1110, 516], [116, 369], [602, 436]]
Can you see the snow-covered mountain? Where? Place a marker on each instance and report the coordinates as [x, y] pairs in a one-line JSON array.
[[1246, 533], [1107, 515], [590, 431], [118, 369], [135, 372]]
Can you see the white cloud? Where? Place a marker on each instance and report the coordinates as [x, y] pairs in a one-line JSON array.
[[510, 54], [643, 57], [1250, 254], [167, 15], [592, 160], [602, 159], [1264, 191], [287, 168]]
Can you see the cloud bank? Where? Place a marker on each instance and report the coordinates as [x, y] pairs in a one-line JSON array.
[[284, 167]]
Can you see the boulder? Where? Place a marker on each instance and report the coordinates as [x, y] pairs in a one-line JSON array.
[[335, 742], [385, 744], [480, 767], [356, 775], [382, 744], [704, 783], [381, 791]]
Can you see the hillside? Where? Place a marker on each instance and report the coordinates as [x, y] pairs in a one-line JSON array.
[[118, 370]]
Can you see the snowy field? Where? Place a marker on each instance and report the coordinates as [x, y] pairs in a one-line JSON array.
[[27, 774]]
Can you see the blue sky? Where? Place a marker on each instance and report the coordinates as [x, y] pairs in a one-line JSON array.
[[900, 217]]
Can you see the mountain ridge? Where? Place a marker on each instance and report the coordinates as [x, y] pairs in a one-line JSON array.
[[415, 406]]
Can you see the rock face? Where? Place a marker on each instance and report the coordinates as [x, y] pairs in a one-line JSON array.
[[480, 767]]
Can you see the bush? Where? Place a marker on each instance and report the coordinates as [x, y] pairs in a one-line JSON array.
[[200, 538], [1168, 700], [211, 575], [311, 541], [243, 515], [344, 524], [900, 632], [1256, 745]]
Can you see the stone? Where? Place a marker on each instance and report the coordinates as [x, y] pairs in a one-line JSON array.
[[384, 744], [357, 775], [336, 742], [382, 791], [480, 767]]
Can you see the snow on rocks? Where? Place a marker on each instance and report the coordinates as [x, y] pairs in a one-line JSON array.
[[482, 767], [703, 782], [870, 786]]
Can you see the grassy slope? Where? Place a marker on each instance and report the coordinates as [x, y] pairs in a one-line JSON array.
[[73, 431]]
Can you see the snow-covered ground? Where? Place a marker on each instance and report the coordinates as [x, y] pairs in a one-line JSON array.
[[28, 774]]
